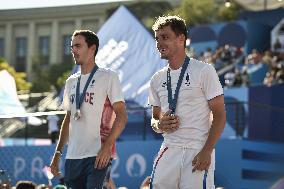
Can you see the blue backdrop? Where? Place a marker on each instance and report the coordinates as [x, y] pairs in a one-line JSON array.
[[239, 163]]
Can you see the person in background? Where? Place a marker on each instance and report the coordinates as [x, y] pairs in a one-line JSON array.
[[53, 127], [25, 184]]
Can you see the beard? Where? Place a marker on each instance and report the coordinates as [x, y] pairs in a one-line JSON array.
[[163, 56], [78, 63]]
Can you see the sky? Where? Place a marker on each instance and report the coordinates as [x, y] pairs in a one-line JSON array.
[[21, 4]]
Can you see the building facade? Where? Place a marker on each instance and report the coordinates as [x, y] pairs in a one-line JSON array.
[[44, 34]]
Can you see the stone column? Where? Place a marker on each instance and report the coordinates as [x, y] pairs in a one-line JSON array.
[[31, 48], [8, 44], [78, 24], [54, 45]]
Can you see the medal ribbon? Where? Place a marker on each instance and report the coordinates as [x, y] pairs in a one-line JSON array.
[[80, 98], [173, 101]]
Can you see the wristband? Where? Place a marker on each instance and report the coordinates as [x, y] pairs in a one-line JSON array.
[[155, 125], [58, 152]]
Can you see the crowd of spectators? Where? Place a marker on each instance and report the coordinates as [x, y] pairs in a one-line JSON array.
[[239, 74], [222, 57]]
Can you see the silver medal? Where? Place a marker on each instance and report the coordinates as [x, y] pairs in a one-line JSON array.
[[77, 115]]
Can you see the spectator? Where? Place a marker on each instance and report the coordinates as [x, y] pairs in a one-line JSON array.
[[53, 127], [267, 58], [25, 184], [277, 46], [280, 74], [226, 55], [229, 79], [238, 81], [245, 77]]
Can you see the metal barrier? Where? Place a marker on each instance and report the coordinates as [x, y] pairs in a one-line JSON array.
[[244, 164]]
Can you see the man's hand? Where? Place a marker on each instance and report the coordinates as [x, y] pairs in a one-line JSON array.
[[202, 161], [54, 165], [169, 122], [103, 156]]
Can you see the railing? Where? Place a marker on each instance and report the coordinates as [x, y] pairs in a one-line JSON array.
[[138, 126]]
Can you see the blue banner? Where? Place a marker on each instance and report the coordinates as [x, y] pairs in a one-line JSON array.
[[256, 164], [133, 164]]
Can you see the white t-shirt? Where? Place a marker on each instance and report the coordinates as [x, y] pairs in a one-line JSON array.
[[200, 84], [52, 123], [84, 134]]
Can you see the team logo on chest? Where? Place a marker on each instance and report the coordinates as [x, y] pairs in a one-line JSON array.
[[72, 98], [92, 83], [187, 82]]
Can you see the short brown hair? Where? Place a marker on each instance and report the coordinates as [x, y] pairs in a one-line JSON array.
[[176, 23], [91, 38]]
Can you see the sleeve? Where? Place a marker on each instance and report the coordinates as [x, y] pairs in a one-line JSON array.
[[114, 89], [210, 83], [66, 101], [153, 99]]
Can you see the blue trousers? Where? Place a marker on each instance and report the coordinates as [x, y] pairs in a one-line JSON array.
[[81, 174]]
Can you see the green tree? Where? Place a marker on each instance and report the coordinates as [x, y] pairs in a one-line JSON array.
[[45, 76], [196, 12], [61, 80], [206, 11], [58, 73], [228, 13], [20, 77], [40, 79]]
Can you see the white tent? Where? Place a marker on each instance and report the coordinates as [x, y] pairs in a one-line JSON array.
[[9, 102]]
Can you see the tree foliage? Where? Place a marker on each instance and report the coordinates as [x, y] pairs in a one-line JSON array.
[[45, 76], [205, 11], [20, 77]]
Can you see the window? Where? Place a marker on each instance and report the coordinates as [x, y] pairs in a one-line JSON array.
[[21, 47], [44, 49], [1, 47], [44, 45], [67, 57], [21, 54]]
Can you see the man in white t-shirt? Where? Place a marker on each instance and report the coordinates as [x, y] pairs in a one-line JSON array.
[[182, 96], [89, 153]]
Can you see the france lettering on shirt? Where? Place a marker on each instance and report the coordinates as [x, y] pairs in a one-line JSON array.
[[89, 97]]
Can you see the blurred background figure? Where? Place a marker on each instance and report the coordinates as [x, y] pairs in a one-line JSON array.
[[5, 181], [53, 127], [25, 184]]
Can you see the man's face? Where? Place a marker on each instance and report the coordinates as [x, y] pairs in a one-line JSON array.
[[168, 43], [80, 50]]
